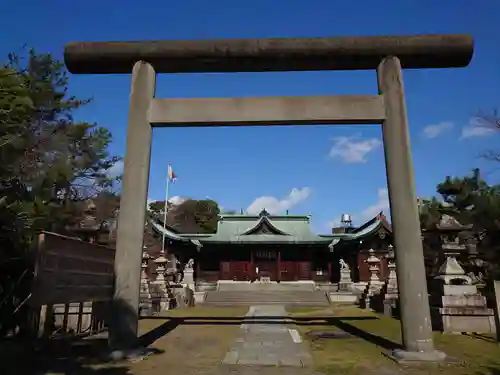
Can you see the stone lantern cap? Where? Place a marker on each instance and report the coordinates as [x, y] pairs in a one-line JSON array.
[[450, 224]]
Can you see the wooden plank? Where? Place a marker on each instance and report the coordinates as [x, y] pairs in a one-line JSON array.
[[70, 270], [347, 109]]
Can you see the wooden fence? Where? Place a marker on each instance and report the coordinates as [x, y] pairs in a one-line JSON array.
[[73, 284]]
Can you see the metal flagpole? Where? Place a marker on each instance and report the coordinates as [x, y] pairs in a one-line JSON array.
[[165, 213]]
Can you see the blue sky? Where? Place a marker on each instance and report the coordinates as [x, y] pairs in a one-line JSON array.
[[318, 170]]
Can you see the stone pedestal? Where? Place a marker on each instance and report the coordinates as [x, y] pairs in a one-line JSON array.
[[458, 308], [345, 292], [345, 282]]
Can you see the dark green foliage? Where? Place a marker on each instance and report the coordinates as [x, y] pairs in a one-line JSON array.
[[191, 216], [195, 216], [49, 164], [471, 200]]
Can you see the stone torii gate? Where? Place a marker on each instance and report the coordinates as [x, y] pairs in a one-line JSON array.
[[387, 55]]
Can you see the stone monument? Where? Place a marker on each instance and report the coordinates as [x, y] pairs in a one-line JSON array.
[[457, 306]]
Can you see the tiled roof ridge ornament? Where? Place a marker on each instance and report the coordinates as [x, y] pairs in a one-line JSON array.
[[381, 217], [263, 213]]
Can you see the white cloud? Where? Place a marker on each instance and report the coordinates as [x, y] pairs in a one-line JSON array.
[[333, 224], [177, 200], [432, 131], [382, 204], [352, 149], [477, 128], [274, 205], [116, 170]]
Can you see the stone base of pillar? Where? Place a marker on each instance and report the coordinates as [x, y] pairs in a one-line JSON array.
[[408, 358]]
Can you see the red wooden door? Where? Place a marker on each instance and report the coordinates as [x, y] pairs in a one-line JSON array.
[[304, 270], [240, 270], [288, 270]]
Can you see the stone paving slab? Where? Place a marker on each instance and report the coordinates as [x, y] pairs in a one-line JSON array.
[[267, 344]]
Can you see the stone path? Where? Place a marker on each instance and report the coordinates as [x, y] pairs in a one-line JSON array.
[[271, 343]]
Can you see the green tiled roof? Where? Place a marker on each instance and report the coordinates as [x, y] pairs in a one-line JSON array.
[[369, 227], [287, 228]]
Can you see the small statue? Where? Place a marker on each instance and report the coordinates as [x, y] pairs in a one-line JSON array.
[[343, 264], [189, 265]]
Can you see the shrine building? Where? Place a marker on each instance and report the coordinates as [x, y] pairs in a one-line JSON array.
[[279, 248]]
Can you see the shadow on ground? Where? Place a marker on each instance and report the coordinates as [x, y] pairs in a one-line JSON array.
[[340, 322], [61, 356], [89, 356], [492, 369]]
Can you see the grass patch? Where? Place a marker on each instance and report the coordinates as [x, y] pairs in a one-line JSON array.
[[193, 345], [304, 311], [361, 353]]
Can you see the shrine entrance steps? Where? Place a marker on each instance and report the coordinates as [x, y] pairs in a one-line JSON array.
[[266, 297], [270, 286]]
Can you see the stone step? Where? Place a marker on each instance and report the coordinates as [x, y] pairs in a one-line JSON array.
[[260, 303], [267, 297], [273, 286]]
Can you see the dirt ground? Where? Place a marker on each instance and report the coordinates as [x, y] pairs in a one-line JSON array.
[[184, 341], [194, 342]]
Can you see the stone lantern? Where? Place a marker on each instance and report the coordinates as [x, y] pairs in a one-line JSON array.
[[391, 294], [374, 284], [457, 306], [161, 282], [392, 280], [373, 267], [145, 293], [449, 230]]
